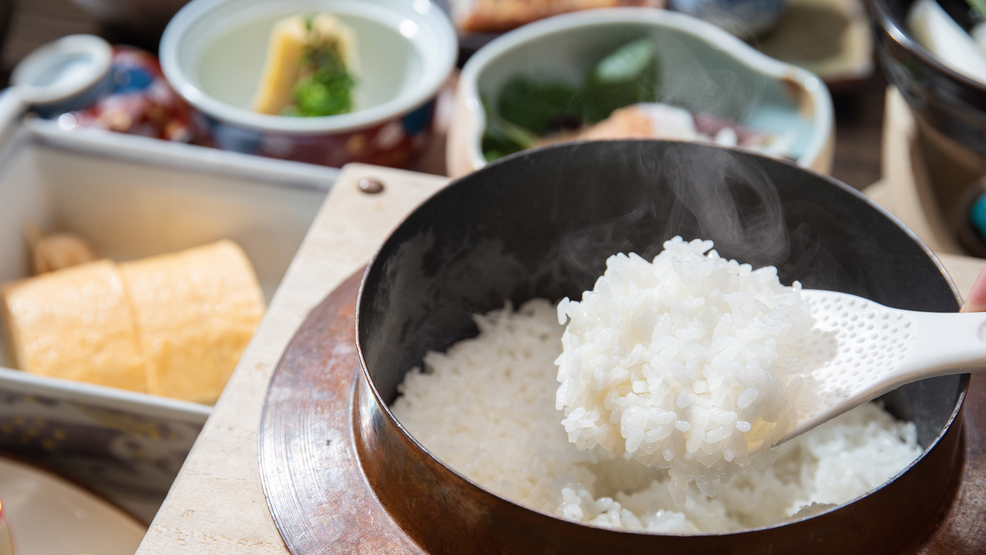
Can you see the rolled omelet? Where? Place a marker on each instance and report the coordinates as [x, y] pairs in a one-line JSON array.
[[76, 324], [172, 325], [195, 313]]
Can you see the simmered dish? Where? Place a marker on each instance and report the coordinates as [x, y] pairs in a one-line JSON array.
[[311, 68]]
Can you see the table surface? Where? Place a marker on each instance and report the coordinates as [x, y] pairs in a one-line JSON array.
[[217, 504]]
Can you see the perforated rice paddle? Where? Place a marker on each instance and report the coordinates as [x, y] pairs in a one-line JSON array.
[[859, 350]]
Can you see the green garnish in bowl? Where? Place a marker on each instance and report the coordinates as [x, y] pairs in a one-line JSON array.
[[326, 89], [625, 77], [528, 109]]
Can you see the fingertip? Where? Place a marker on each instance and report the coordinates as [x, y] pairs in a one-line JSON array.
[[976, 301]]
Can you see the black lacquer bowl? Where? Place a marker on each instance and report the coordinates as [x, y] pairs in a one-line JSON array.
[[541, 224], [950, 102]]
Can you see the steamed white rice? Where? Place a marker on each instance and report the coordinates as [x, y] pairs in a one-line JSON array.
[[486, 408], [685, 363]]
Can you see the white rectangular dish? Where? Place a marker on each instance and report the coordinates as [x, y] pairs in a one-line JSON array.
[[133, 197]]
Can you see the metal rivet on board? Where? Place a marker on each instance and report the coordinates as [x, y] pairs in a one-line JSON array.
[[370, 186]]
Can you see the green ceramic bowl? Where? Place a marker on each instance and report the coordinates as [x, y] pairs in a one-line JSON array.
[[703, 68]]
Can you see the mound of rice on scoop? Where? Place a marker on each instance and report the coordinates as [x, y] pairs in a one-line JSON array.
[[685, 363]]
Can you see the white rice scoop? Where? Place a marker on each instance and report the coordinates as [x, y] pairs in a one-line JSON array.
[[859, 350]]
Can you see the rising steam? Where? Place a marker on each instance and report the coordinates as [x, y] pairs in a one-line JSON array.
[[733, 200]]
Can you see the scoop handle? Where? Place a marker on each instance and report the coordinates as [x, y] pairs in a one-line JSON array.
[[941, 344], [944, 343]]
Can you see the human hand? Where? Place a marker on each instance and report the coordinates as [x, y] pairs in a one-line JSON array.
[[976, 301]]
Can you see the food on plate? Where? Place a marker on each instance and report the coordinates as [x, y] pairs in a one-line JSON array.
[[503, 15], [618, 99], [486, 408], [57, 251], [529, 110], [685, 363], [311, 68], [172, 325]]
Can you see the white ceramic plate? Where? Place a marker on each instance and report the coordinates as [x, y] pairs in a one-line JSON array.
[[49, 516]]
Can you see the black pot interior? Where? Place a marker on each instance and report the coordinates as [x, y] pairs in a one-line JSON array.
[[542, 223]]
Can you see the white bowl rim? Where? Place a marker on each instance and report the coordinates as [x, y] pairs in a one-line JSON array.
[[437, 26], [823, 117], [98, 55]]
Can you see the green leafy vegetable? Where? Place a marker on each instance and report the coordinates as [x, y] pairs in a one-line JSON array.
[[503, 137], [527, 109], [625, 77], [536, 106], [326, 89]]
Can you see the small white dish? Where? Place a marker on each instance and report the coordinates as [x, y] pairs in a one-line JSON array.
[[702, 68], [48, 515], [63, 75], [62, 69]]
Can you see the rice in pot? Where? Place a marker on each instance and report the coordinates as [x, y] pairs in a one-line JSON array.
[[486, 407]]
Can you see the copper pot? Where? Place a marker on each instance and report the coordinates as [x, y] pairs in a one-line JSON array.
[[541, 224]]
